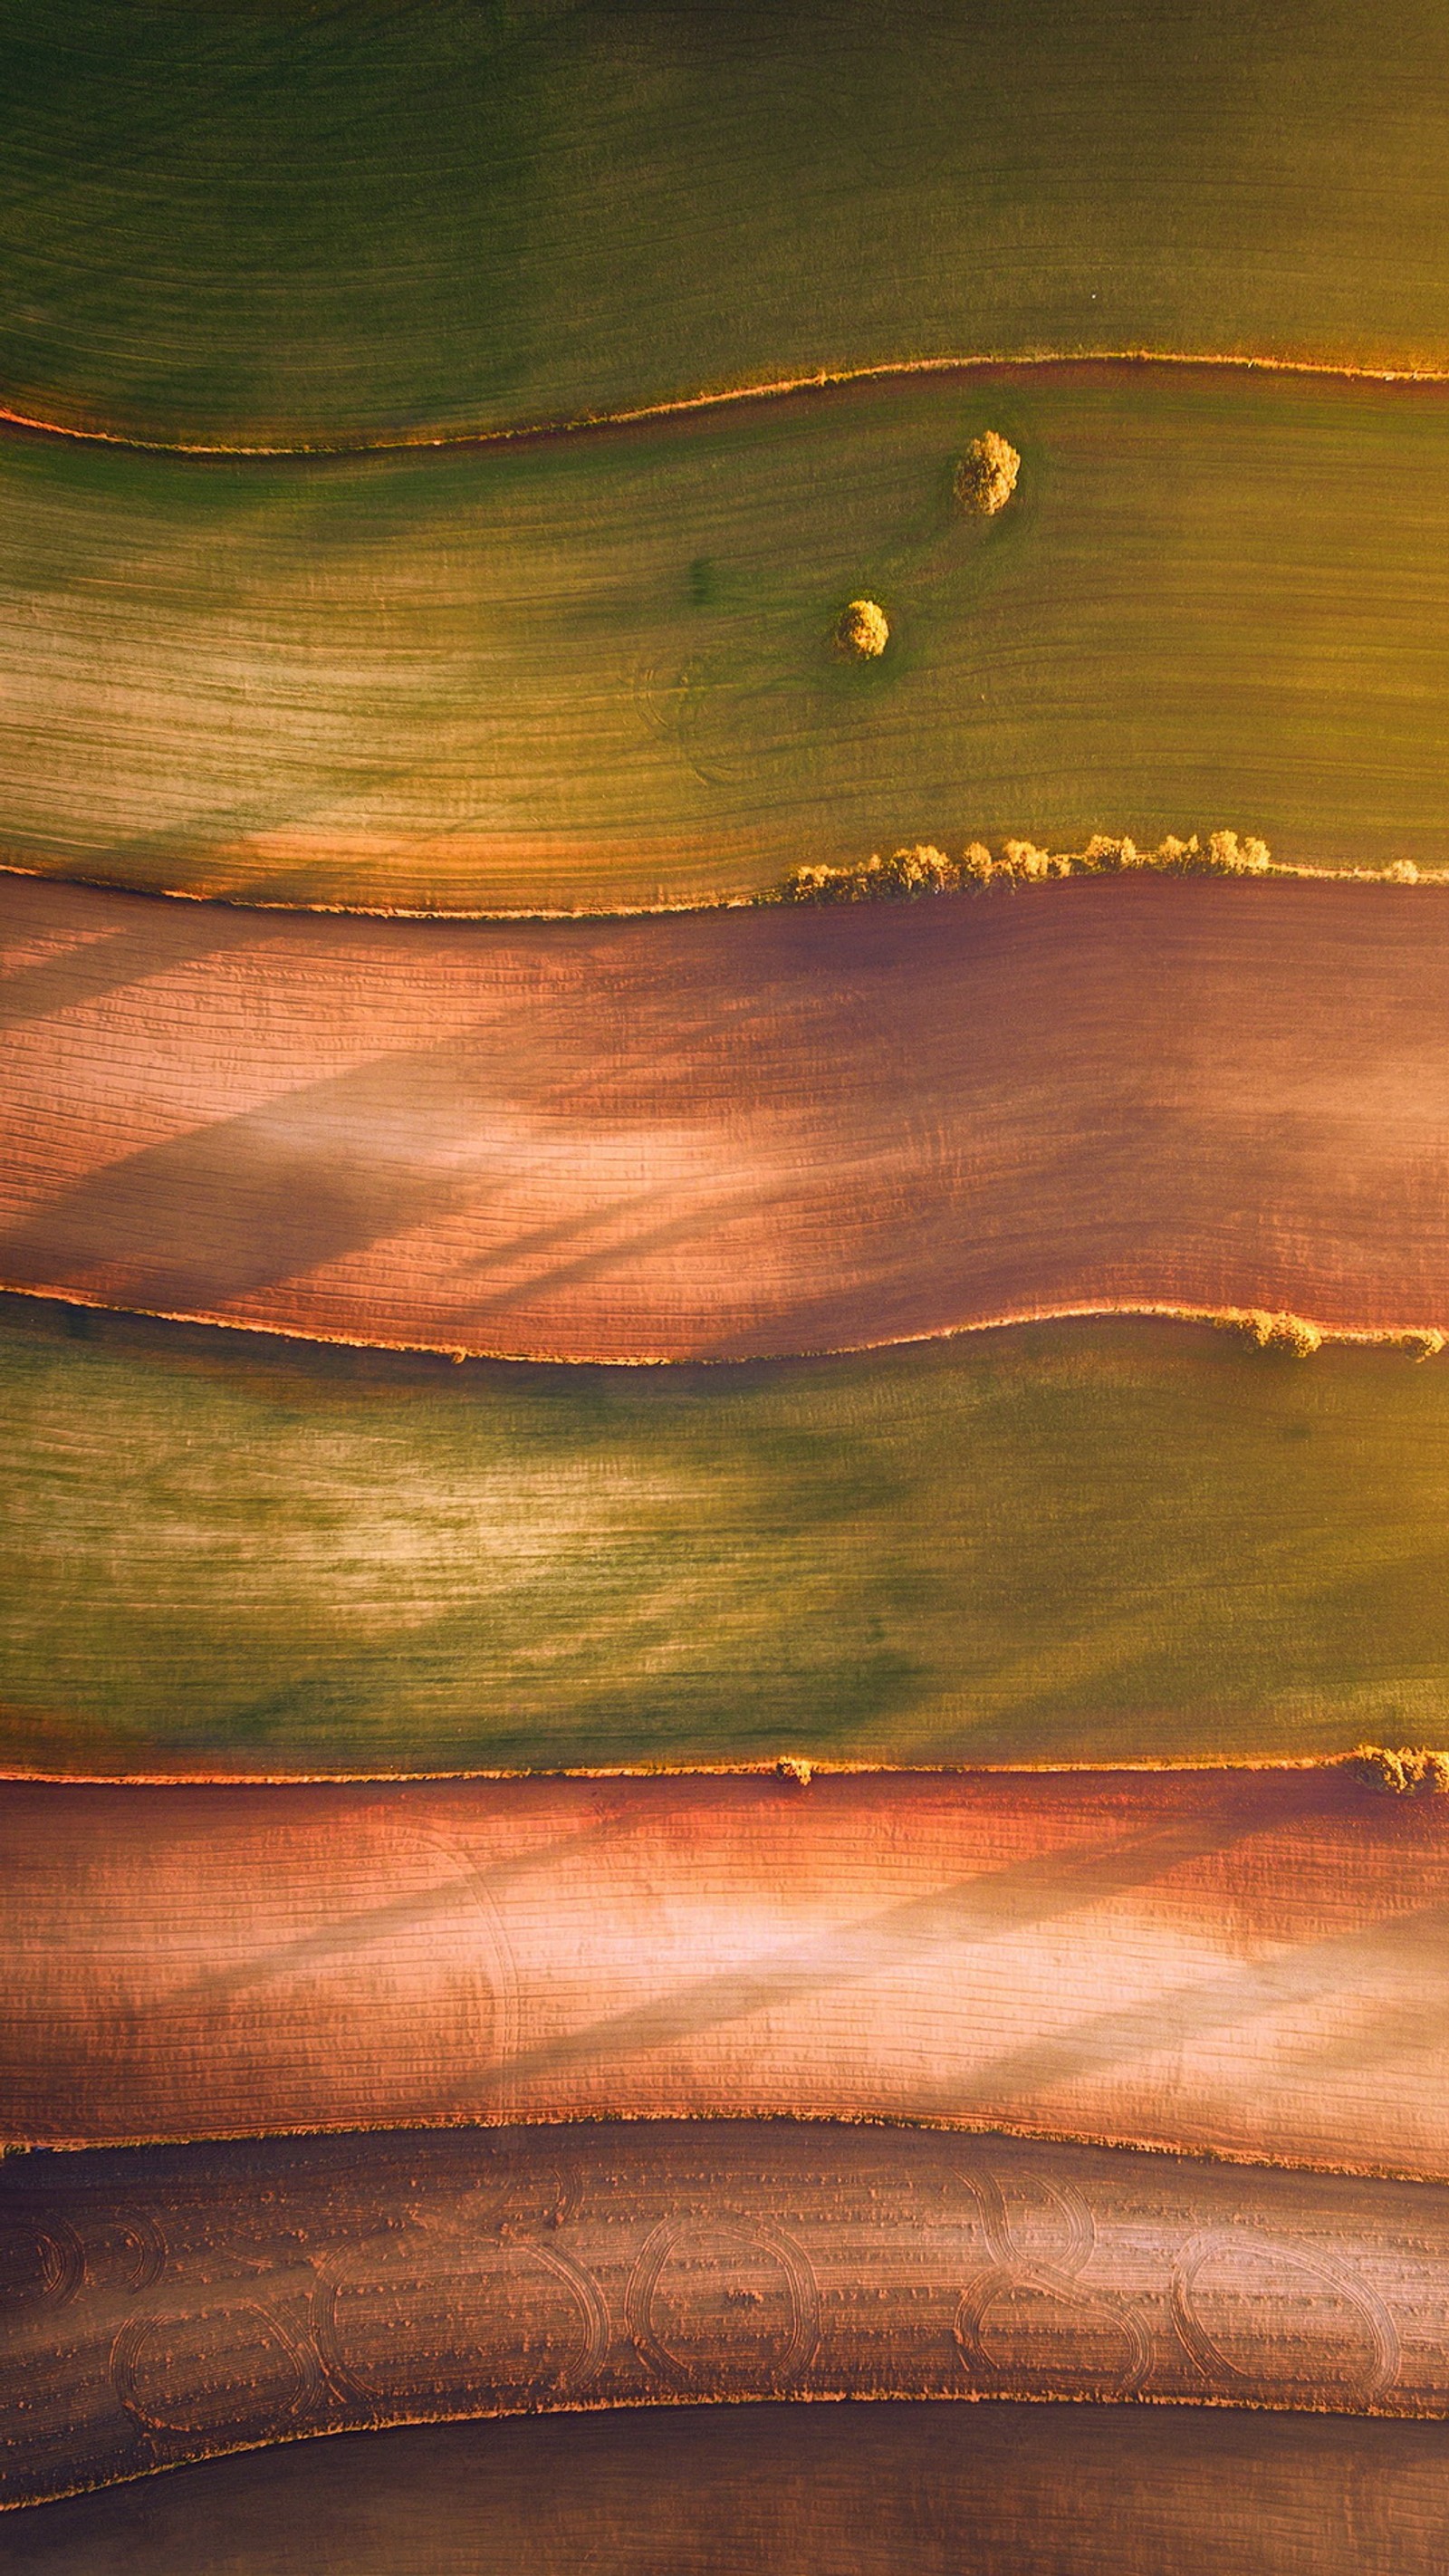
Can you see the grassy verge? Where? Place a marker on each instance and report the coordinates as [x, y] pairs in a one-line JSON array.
[[1075, 1542], [600, 670], [274, 225]]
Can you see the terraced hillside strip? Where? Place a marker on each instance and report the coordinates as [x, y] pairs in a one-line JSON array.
[[171, 2305], [599, 670], [942, 2490], [262, 226], [224, 1554], [732, 1134], [1250, 1964]]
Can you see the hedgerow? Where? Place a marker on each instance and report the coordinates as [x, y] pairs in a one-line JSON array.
[[908, 873]]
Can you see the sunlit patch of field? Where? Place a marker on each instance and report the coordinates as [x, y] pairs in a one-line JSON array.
[[1074, 1542], [1243, 1963], [601, 670]]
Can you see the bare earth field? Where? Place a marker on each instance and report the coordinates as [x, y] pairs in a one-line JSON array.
[[738, 1133], [278, 224], [168, 2305], [596, 670], [1236, 1962], [919, 2489]]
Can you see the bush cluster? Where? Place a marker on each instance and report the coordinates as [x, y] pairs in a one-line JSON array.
[[1295, 1336], [923, 869], [1291, 1333], [1411, 1772]]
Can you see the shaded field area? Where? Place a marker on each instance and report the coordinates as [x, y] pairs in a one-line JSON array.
[[1068, 1542], [169, 2305], [597, 670], [726, 1134], [260, 225], [912, 2490], [1245, 1963]]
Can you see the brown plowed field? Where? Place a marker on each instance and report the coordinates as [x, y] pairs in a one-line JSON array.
[[916, 2489], [736, 1132], [168, 2305], [1253, 1963]]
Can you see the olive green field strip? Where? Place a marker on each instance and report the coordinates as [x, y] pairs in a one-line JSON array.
[[268, 227], [597, 671], [917, 2489], [228, 1555], [1245, 1964], [166, 2306], [732, 1134]]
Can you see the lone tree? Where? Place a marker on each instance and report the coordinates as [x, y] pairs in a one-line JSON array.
[[986, 476], [862, 631]]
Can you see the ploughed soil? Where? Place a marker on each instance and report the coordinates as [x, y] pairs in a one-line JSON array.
[[1251, 1963], [789, 2490], [732, 1133], [169, 2304]]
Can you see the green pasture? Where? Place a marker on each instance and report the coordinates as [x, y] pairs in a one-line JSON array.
[[598, 669], [1071, 1542], [259, 222]]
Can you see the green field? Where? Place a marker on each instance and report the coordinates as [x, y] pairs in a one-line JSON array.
[[267, 223], [597, 670], [1065, 1542]]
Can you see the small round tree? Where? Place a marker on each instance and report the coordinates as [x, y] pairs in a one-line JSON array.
[[862, 631], [986, 475]]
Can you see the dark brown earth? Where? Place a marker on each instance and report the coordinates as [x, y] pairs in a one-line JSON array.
[[732, 1132], [163, 2305], [911, 2490]]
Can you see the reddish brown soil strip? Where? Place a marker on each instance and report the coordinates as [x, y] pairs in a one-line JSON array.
[[994, 2489], [732, 1133], [1250, 1964], [171, 2304]]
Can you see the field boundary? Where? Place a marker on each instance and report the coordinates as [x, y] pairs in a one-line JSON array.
[[1298, 1336], [1009, 873], [404, 442], [1291, 1335]]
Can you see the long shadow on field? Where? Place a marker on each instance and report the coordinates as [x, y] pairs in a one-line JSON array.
[[1187, 2012], [251, 1201], [112, 958], [981, 1908]]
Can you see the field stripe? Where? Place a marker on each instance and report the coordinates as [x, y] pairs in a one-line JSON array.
[[390, 2280], [939, 2488], [596, 673], [1251, 1965], [278, 228], [226, 1555], [743, 1133]]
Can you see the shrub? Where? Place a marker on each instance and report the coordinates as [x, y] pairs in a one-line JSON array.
[[902, 877], [1413, 1771], [985, 478], [1235, 858], [862, 630], [1291, 1333]]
